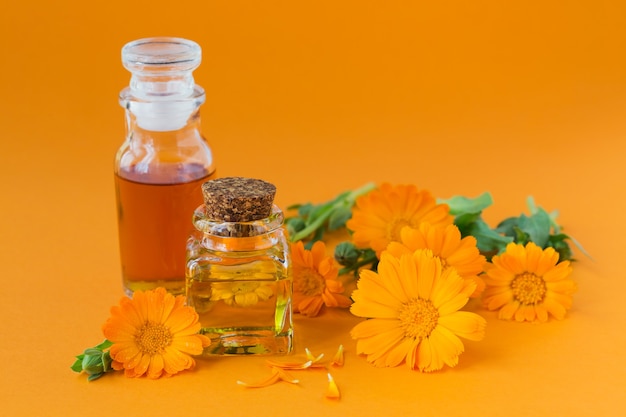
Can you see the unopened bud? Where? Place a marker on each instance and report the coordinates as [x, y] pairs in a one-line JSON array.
[[347, 254]]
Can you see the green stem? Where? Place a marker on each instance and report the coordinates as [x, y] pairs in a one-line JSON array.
[[319, 222], [369, 258]]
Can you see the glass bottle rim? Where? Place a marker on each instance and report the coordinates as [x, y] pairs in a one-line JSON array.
[[225, 229], [154, 53]]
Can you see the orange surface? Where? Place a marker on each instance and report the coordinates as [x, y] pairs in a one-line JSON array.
[[515, 98]]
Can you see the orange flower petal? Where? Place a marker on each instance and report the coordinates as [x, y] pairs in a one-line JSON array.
[[465, 324], [277, 374], [378, 216], [290, 365], [180, 319], [284, 376], [155, 370], [398, 354], [332, 391], [309, 306], [338, 359], [272, 379]]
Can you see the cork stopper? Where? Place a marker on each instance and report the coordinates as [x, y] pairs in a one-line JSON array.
[[237, 199]]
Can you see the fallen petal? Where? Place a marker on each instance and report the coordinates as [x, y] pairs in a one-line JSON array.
[[289, 365], [285, 376], [333, 390], [272, 379], [338, 358], [312, 357]]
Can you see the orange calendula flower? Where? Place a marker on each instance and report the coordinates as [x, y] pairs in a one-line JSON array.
[[413, 303], [445, 243], [528, 283], [315, 281], [153, 334], [379, 216]]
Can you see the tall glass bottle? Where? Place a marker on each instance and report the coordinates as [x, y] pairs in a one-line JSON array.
[[162, 164], [239, 269]]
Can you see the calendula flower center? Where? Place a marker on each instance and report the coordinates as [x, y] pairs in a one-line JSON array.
[[444, 263], [309, 283], [394, 227], [152, 338], [528, 288], [418, 318]]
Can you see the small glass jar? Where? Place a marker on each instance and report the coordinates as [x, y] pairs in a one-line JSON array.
[[162, 163], [239, 269]]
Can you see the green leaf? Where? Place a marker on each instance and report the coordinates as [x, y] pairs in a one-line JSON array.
[[104, 345], [93, 377], [519, 236], [305, 209], [77, 366], [580, 247], [537, 226], [317, 235], [462, 205], [507, 226], [530, 203], [465, 221], [319, 212], [107, 361], [558, 242], [339, 217], [487, 239], [294, 225]]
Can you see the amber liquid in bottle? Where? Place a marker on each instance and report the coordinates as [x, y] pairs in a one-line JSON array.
[[154, 213]]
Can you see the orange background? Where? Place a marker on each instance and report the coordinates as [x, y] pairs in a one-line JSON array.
[[516, 98]]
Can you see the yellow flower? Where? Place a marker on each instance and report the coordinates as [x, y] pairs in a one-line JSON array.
[[528, 283], [315, 280], [413, 303], [446, 244], [244, 294], [153, 334], [378, 216]]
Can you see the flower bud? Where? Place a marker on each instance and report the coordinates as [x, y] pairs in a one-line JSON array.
[[347, 254], [92, 362]]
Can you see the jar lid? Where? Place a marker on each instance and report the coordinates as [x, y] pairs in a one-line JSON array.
[[238, 199]]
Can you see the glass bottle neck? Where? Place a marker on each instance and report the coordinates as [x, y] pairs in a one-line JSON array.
[[161, 94], [161, 87], [162, 115], [240, 236], [244, 244]]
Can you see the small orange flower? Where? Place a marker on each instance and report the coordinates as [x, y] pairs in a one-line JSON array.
[[528, 283], [315, 280], [447, 245], [379, 216], [153, 334]]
